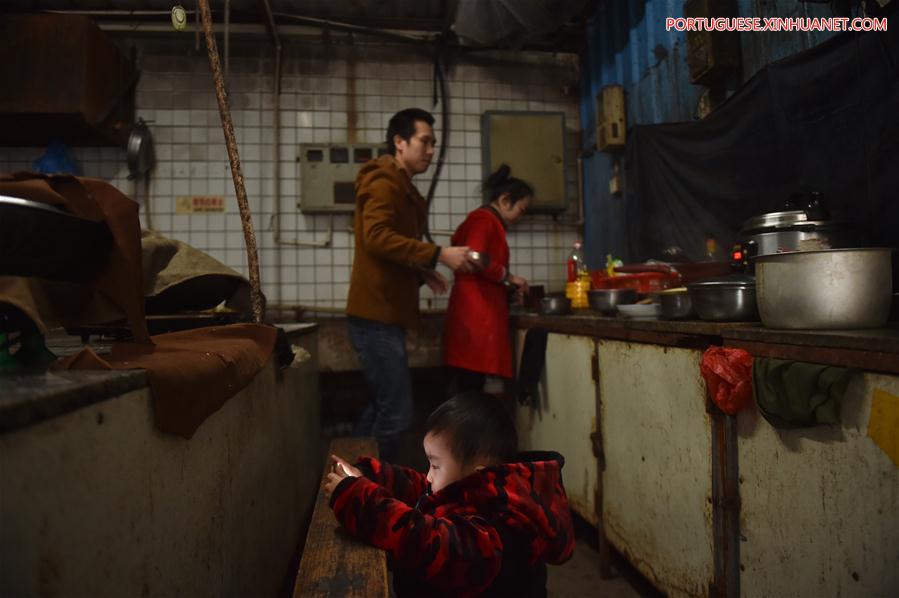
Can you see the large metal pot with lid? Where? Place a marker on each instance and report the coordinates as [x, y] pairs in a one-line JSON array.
[[805, 228]]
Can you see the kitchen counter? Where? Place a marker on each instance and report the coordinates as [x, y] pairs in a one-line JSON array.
[[707, 504], [29, 397], [84, 465], [873, 350]]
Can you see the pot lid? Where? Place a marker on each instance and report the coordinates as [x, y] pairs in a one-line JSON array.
[[139, 151], [736, 280], [780, 220]]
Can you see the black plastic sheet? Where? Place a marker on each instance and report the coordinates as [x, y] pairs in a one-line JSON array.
[[824, 120]]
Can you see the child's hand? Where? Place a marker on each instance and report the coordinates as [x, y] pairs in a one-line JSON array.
[[344, 468], [339, 470], [331, 483]]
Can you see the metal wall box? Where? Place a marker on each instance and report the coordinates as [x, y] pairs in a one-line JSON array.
[[533, 145], [611, 123], [328, 174], [711, 54]]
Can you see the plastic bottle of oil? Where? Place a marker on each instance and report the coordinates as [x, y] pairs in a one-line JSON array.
[[578, 277]]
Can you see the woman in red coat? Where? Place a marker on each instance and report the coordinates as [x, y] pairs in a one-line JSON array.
[[476, 335]]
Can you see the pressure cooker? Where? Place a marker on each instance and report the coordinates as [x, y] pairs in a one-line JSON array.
[[803, 225]]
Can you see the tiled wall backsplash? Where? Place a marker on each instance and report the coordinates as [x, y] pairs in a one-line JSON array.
[[324, 91]]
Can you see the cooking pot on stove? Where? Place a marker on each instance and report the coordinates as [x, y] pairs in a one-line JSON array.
[[803, 225]]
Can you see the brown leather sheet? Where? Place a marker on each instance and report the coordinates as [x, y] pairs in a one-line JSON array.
[[191, 373], [120, 281]]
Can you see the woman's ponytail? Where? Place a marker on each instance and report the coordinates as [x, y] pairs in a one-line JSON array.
[[500, 182]]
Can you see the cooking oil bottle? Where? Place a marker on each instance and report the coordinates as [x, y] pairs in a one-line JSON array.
[[578, 277]]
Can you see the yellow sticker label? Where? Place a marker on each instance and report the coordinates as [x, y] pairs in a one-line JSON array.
[[883, 426], [199, 203]]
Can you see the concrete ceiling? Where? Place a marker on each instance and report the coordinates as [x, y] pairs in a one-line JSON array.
[[399, 15], [424, 15]]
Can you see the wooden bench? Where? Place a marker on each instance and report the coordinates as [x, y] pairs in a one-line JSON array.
[[333, 562]]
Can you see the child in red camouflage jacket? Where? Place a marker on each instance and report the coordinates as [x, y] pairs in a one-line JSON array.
[[477, 524]]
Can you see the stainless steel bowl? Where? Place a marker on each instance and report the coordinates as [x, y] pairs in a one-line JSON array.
[[825, 290], [677, 306], [606, 301], [554, 305], [727, 299], [480, 258]]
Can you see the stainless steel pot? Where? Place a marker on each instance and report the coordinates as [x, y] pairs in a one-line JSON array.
[[793, 230], [606, 301], [825, 290], [727, 299], [554, 305]]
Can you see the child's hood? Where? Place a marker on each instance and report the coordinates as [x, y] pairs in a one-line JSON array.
[[526, 496]]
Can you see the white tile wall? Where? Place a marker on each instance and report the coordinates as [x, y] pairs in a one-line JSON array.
[[322, 93]]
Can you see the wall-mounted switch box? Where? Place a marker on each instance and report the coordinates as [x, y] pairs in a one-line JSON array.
[[328, 174], [533, 145], [611, 122]]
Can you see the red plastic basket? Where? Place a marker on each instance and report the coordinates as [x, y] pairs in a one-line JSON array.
[[642, 282]]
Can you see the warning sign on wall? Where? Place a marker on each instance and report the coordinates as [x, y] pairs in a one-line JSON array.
[[199, 203]]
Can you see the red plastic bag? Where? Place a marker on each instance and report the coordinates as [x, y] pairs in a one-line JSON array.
[[728, 377]]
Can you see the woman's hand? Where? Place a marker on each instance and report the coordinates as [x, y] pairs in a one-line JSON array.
[[340, 469], [520, 285]]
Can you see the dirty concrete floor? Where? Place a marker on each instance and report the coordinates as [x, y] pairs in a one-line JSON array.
[[580, 577]]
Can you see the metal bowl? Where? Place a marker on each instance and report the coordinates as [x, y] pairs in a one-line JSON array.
[[677, 305], [554, 305], [606, 301], [728, 299], [42, 241], [480, 258]]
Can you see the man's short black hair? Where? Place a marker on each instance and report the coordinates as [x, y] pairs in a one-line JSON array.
[[403, 124], [475, 425]]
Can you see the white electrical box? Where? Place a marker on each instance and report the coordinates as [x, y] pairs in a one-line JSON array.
[[328, 174]]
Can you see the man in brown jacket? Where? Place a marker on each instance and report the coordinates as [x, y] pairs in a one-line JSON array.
[[389, 265]]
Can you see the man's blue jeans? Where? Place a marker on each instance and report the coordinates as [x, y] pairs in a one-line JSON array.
[[381, 349]]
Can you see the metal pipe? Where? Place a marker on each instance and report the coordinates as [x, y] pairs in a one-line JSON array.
[[116, 13], [580, 191], [274, 226], [246, 217], [227, 38], [275, 222], [276, 129], [338, 26], [334, 310]]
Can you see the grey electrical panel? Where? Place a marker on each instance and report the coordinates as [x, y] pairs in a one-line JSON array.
[[533, 145], [328, 174]]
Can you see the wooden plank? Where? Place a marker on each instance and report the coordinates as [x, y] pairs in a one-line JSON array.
[[879, 340], [872, 361], [668, 333], [335, 563]]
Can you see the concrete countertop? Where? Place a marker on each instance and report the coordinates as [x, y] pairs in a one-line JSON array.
[[298, 328], [28, 397], [875, 350]]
